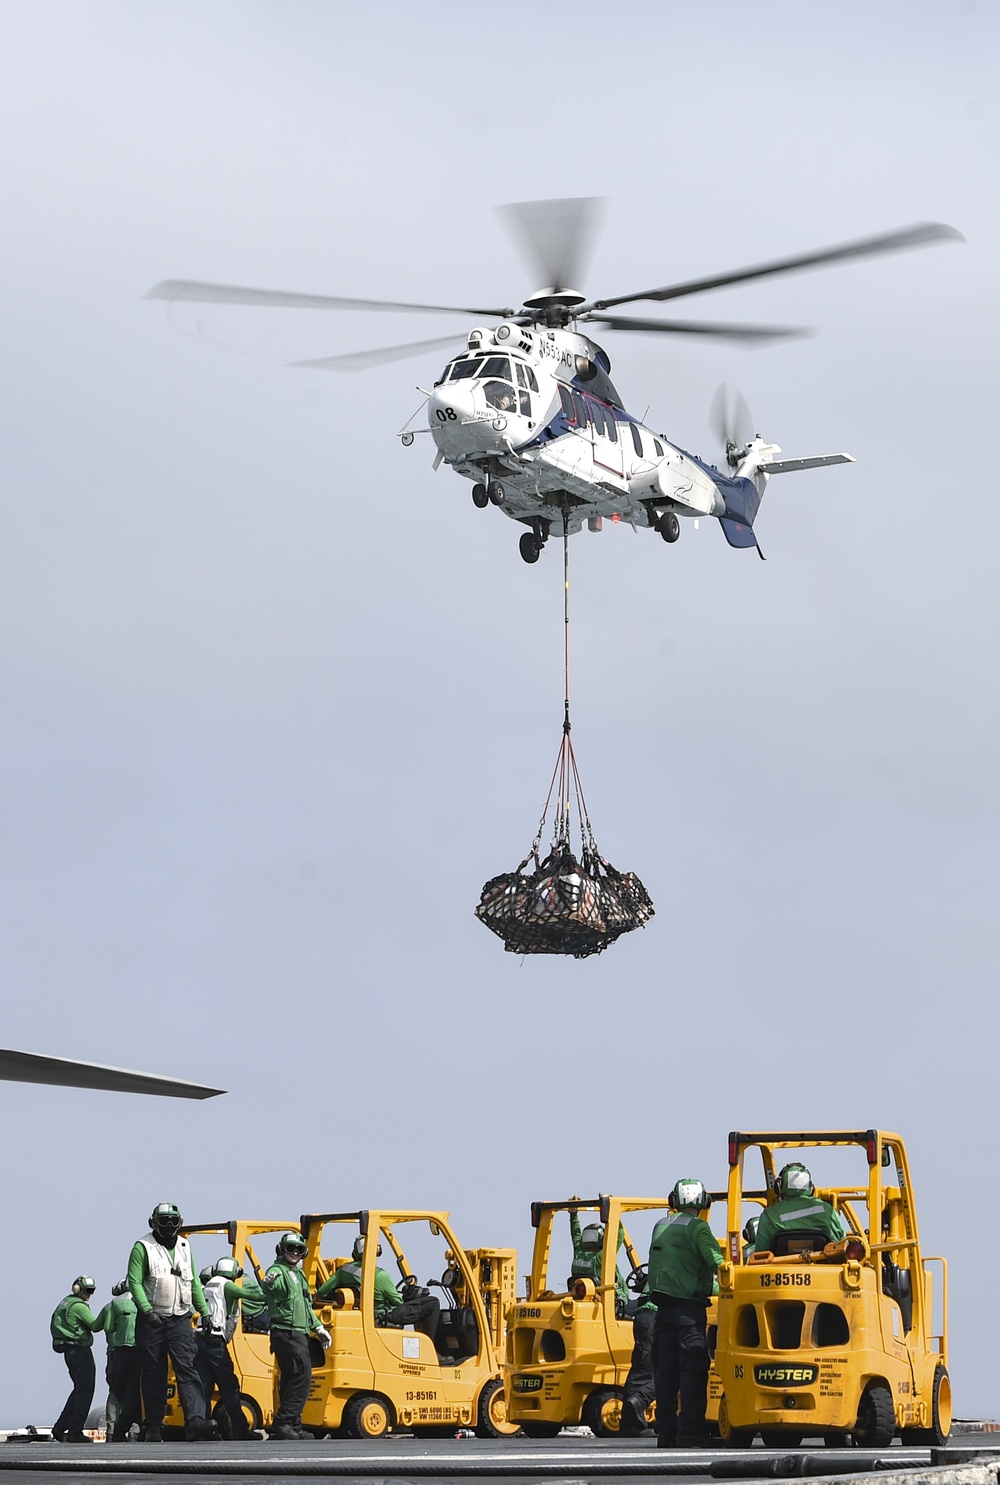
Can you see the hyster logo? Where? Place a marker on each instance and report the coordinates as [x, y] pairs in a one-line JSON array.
[[527, 1384], [785, 1376]]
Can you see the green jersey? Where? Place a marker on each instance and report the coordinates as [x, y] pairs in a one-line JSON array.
[[587, 1261], [73, 1323], [798, 1214], [348, 1276], [117, 1320], [288, 1298], [253, 1300], [683, 1258]]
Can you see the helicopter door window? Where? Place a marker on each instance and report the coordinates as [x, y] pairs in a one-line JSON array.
[[525, 402], [636, 438], [597, 417], [657, 445], [532, 383], [497, 366], [462, 370], [519, 370], [580, 408]]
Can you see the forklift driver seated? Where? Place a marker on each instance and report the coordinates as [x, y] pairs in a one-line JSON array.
[[391, 1309], [799, 1219]]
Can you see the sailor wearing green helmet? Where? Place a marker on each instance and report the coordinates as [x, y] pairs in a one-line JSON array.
[[683, 1259], [72, 1327], [293, 1320], [797, 1210]]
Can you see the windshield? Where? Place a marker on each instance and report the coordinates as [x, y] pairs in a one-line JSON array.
[[468, 366]]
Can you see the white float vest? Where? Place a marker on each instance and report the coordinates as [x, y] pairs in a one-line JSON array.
[[223, 1323], [167, 1292]]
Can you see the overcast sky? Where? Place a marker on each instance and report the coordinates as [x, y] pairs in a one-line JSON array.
[[277, 699]]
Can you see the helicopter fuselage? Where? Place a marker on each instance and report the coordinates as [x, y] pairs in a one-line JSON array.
[[532, 414]]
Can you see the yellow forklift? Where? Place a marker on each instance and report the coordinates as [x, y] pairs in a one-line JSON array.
[[831, 1338], [250, 1346], [375, 1377], [569, 1341]]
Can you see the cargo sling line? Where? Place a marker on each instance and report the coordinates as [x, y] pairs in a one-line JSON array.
[[564, 904]]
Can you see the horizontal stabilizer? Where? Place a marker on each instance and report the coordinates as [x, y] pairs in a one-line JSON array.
[[738, 533], [818, 461]]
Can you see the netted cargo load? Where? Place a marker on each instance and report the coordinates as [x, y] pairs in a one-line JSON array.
[[563, 905]]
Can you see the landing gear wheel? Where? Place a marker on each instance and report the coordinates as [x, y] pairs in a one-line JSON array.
[[367, 1416], [779, 1438], [496, 492], [529, 548], [541, 1430], [940, 1428], [492, 1421], [669, 526], [480, 496], [876, 1418], [602, 1412]]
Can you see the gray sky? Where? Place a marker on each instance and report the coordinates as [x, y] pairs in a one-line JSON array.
[[277, 699]]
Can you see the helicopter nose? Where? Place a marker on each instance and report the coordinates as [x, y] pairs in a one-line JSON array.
[[461, 422]]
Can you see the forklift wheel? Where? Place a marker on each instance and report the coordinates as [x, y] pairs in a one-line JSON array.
[[876, 1418], [779, 1438], [541, 1430], [940, 1428], [367, 1416], [733, 1438], [602, 1412], [492, 1422]]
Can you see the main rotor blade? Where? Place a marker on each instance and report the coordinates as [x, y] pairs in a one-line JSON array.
[[28, 1067], [557, 233], [362, 360], [192, 289], [748, 334], [864, 247]]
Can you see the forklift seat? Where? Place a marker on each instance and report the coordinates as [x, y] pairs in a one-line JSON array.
[[786, 1244]]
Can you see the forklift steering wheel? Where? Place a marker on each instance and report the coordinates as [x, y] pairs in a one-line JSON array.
[[637, 1279]]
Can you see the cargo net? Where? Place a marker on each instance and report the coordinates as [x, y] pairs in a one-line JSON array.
[[572, 902]]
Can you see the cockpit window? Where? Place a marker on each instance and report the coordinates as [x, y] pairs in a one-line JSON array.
[[468, 366], [500, 395], [532, 383], [657, 445], [519, 369], [497, 366]]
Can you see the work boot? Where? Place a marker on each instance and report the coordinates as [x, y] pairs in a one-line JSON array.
[[662, 1442], [59, 1435], [696, 1441], [77, 1438], [154, 1434], [199, 1433], [285, 1432]]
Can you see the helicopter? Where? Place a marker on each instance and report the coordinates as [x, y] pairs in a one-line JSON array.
[[528, 412]]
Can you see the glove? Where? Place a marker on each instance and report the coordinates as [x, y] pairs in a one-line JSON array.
[[153, 1319], [206, 1324], [323, 1336]]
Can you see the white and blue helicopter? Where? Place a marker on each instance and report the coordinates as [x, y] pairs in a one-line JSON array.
[[528, 411]]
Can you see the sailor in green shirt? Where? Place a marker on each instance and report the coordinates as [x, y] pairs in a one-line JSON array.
[[123, 1364], [72, 1327], [588, 1254], [422, 1311], [683, 1259], [797, 1209], [293, 1320], [165, 1287]]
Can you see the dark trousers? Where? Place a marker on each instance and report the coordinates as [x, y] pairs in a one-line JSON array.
[[215, 1368], [423, 1314], [124, 1400], [639, 1390], [80, 1364], [291, 1352], [680, 1367], [173, 1337]]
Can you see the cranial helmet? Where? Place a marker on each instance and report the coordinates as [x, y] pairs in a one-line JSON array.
[[204, 1274], [165, 1222], [291, 1245], [750, 1231], [227, 1268], [358, 1251], [689, 1196], [84, 1284], [794, 1180], [592, 1237]]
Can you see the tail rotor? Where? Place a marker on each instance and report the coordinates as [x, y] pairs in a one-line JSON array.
[[732, 423]]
